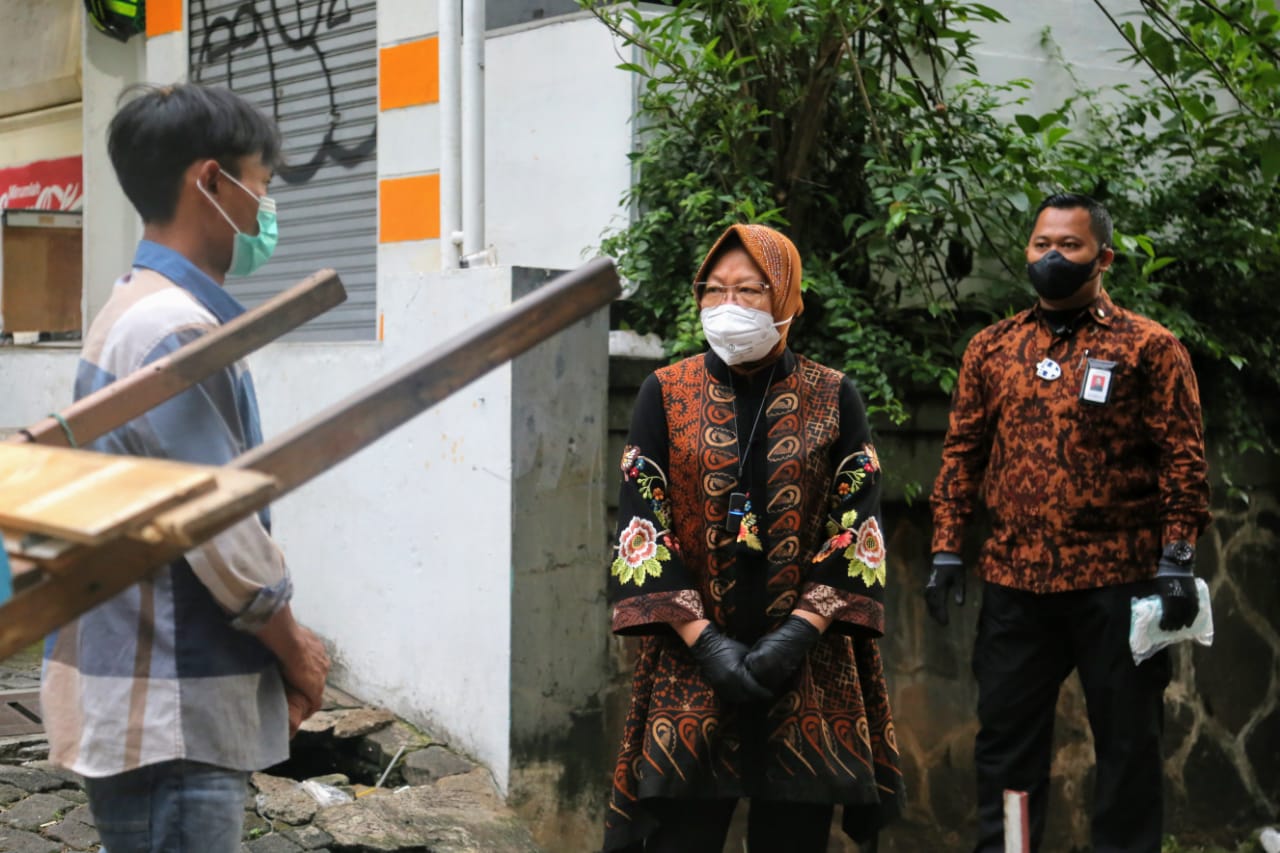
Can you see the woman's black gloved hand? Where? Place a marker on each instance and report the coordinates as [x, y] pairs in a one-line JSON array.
[[721, 660], [778, 654]]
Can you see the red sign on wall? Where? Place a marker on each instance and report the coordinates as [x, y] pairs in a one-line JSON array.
[[43, 185]]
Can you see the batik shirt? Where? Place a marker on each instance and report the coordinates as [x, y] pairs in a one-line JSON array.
[[1085, 448], [794, 440], [169, 668]]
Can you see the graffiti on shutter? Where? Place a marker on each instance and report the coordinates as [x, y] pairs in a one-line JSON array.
[[312, 66]]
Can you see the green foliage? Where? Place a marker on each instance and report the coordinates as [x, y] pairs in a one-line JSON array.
[[866, 133]]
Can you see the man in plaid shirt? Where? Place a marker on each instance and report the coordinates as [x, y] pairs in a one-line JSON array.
[[166, 696]]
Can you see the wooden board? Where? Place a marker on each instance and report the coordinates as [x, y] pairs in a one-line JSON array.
[[86, 497], [130, 396]]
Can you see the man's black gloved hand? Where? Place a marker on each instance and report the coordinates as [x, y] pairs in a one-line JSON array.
[[778, 654], [1177, 587], [947, 572], [721, 660]]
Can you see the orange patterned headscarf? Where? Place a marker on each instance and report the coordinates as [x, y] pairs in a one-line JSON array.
[[777, 258]]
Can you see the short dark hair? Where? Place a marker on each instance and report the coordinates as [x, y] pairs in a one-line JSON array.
[[1099, 218], [161, 130]]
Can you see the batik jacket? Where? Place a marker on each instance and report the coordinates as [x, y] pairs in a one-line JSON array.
[[795, 440]]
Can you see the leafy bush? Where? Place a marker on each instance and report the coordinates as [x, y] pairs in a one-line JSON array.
[[864, 131]]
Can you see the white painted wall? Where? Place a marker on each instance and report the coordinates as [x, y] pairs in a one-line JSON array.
[[1088, 42], [401, 557], [558, 127]]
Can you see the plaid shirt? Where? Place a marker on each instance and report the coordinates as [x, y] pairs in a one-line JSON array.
[[169, 668], [1084, 475]]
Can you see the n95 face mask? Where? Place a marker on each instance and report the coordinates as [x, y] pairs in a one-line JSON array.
[[740, 335]]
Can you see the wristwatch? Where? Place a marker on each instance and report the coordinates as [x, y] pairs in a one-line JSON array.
[[1180, 552]]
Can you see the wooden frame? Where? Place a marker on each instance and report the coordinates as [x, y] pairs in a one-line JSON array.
[[48, 597]]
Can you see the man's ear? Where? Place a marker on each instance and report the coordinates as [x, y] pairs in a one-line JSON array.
[[208, 174], [1104, 263]]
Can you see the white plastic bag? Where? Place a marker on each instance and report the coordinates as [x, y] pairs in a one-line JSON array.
[[1145, 635], [325, 795]]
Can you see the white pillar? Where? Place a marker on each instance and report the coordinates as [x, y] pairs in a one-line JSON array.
[[472, 126], [450, 133], [111, 226]]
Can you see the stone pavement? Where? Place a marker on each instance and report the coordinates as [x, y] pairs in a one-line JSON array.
[[324, 799]]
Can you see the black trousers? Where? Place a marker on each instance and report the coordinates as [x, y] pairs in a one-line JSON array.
[[1027, 645], [701, 826]]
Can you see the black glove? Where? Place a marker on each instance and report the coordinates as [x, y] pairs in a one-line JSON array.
[[1177, 587], [947, 572], [721, 660], [778, 654]]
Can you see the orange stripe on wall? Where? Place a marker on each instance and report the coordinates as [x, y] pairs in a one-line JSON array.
[[409, 74], [163, 16], [409, 208]]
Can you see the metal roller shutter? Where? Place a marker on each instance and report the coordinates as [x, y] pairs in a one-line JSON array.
[[313, 66]]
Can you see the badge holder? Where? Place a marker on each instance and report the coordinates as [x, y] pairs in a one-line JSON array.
[[1096, 386]]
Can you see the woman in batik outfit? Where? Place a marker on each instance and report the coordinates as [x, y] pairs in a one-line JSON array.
[[750, 558]]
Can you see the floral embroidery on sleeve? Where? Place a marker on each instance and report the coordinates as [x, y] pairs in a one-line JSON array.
[[854, 472], [650, 482], [642, 546], [862, 544], [640, 555]]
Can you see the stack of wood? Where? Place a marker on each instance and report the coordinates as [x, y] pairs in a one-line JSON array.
[[80, 527]]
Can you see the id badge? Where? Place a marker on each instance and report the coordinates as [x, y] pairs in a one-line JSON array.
[[737, 509], [1098, 377]]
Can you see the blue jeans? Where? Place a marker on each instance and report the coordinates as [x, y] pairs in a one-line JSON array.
[[173, 807]]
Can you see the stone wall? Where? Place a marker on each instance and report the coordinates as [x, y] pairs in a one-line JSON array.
[[1222, 719]]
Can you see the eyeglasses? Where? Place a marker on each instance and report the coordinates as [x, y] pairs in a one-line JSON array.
[[750, 293]]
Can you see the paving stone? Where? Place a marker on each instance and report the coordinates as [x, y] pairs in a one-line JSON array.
[[69, 778], [309, 837], [267, 784], [73, 795], [10, 794], [30, 780], [381, 746], [17, 841], [292, 806], [73, 834], [273, 844], [255, 825], [361, 721], [433, 763], [35, 811], [82, 814], [319, 722]]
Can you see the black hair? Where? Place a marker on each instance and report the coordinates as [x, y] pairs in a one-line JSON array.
[[1099, 218], [161, 130]]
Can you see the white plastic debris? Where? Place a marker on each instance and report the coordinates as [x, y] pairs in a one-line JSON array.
[[1146, 636], [325, 795], [1270, 840]]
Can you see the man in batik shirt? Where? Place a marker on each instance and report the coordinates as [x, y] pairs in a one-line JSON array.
[[1077, 425]]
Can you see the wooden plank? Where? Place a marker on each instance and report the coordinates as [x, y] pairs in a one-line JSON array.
[[130, 396], [86, 497], [238, 494], [352, 424]]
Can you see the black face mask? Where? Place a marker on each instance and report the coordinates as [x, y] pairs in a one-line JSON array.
[[1054, 277]]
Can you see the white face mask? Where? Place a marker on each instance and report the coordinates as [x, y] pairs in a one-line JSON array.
[[740, 335]]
